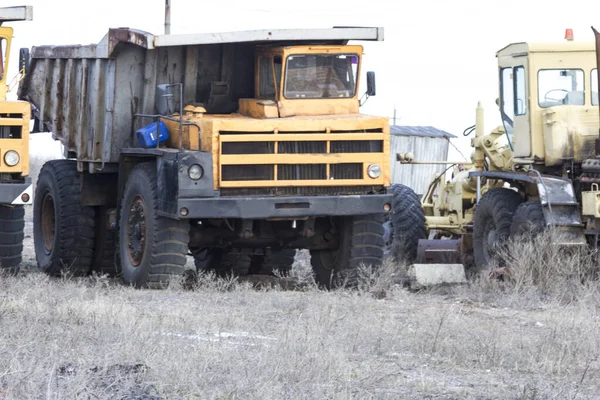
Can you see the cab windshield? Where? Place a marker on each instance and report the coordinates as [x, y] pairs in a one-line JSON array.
[[557, 87], [318, 76]]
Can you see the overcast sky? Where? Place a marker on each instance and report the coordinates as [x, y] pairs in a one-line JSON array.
[[436, 62]]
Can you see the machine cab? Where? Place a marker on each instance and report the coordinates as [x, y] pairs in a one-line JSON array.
[[305, 80], [548, 100]]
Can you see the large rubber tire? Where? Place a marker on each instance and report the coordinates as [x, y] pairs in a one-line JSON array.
[[528, 220], [360, 244], [152, 248], [491, 228], [106, 245], [272, 261], [63, 229], [12, 225], [405, 225]]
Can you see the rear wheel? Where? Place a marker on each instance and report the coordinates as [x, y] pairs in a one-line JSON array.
[[152, 248], [405, 226], [491, 228], [360, 244], [63, 228], [12, 225], [528, 220]]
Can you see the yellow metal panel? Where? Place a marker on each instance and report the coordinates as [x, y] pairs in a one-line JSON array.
[[336, 158], [301, 107], [303, 137], [256, 108], [10, 121], [314, 183]]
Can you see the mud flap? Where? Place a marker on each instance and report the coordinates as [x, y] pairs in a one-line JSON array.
[[561, 210]]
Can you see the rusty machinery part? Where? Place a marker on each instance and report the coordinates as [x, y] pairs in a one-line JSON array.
[[590, 171], [491, 227], [361, 245], [12, 224], [153, 249], [405, 225], [63, 231]]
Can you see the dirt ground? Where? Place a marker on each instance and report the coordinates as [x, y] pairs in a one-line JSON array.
[[94, 338]]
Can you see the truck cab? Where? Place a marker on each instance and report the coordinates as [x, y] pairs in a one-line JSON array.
[[549, 101]]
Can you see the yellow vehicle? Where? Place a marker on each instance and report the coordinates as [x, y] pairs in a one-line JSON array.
[[15, 184], [540, 169], [239, 146]]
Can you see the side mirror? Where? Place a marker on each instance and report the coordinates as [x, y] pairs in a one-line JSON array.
[[371, 90], [163, 99], [24, 60]]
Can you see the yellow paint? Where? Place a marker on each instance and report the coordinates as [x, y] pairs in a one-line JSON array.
[[279, 119], [321, 182], [338, 158], [256, 108], [302, 137], [21, 145]]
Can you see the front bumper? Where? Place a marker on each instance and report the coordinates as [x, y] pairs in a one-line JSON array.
[[282, 207], [12, 193]]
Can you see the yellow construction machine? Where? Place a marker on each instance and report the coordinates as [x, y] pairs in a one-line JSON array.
[[540, 169], [15, 184]]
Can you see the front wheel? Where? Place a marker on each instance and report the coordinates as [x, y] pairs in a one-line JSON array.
[[63, 228], [12, 225], [406, 225], [491, 228], [360, 245], [152, 248]]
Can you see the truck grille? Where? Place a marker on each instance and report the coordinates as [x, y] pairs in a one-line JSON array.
[[270, 163], [303, 191]]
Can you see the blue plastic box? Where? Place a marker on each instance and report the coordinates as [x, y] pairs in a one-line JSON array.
[[147, 135]]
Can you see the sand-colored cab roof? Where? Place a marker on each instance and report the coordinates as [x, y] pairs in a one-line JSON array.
[[523, 48]]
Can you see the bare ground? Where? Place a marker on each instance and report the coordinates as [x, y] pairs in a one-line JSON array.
[[93, 338]]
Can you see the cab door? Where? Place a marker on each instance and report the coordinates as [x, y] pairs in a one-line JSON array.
[[514, 105]]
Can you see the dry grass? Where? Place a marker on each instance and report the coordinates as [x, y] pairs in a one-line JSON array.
[[96, 339]]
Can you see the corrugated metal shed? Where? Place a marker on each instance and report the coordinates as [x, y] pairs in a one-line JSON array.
[[426, 143]]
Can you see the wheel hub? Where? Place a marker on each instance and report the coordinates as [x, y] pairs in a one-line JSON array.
[[48, 221], [136, 231]]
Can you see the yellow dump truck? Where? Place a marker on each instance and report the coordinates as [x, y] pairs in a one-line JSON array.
[[238, 147], [15, 184]]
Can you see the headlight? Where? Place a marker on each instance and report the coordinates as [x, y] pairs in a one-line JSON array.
[[374, 171], [195, 172], [11, 158]]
